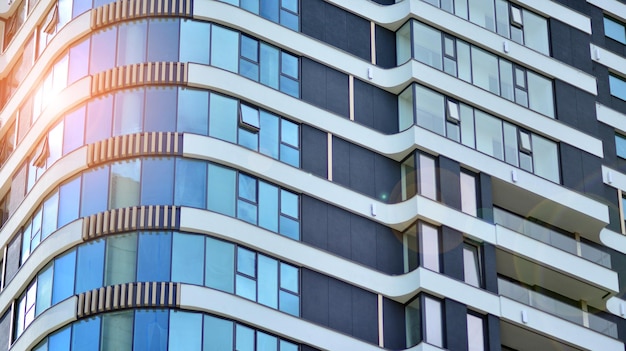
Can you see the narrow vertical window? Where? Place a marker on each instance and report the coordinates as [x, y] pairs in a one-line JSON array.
[[427, 177], [433, 316], [469, 198], [475, 333], [471, 264], [429, 246], [620, 145]]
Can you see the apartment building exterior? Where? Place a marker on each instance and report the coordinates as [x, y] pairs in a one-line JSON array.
[[313, 175]]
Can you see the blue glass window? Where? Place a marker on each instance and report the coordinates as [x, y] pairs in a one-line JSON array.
[[244, 338], [160, 108], [187, 253], [223, 122], [268, 206], [44, 289], [154, 257], [190, 183], [614, 30], [268, 281], [98, 121], [617, 86], [74, 130], [185, 332], [151, 330], [60, 341], [221, 190], [162, 37], [191, 48], [121, 259], [69, 201], [117, 331], [218, 334], [220, 265], [157, 181], [90, 266], [84, 333], [193, 111], [224, 48], [102, 55], [620, 145], [64, 270]]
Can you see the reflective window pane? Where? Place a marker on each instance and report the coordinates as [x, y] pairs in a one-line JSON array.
[[221, 190], [64, 270], [157, 181], [620, 145], [485, 70], [540, 94], [246, 262], [614, 30], [218, 334], [268, 281], [190, 183], [268, 206], [195, 40], [223, 121], [244, 338], [427, 177], [482, 13], [193, 111], [150, 332], [289, 277], [413, 323], [617, 87], [84, 333], [162, 37], [187, 256], [489, 135], [430, 110], [44, 289], [224, 48], [185, 331], [469, 200], [546, 162], [427, 45], [124, 184], [289, 203], [536, 32], [220, 265], [269, 65], [90, 266], [117, 331], [131, 43], [154, 257], [121, 258]]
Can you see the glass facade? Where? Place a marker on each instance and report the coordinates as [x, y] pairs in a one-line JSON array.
[[476, 66], [480, 131], [160, 330], [161, 256]]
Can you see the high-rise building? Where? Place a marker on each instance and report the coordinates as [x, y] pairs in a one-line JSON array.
[[300, 175]]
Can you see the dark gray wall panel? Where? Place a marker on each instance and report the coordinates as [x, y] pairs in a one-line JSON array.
[[389, 253], [575, 107], [341, 161], [340, 306], [314, 151], [455, 325], [361, 165], [452, 252], [364, 315], [571, 171], [314, 222], [449, 182], [387, 177], [350, 236], [385, 47], [336, 27], [375, 108], [493, 333], [339, 232], [394, 326], [324, 87], [363, 237], [314, 297], [490, 273]]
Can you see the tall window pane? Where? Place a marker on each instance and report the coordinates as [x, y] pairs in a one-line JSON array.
[[475, 333], [64, 271], [125, 184], [150, 332], [157, 181], [131, 43], [121, 259], [85, 334], [221, 190], [224, 48], [218, 334], [427, 45], [187, 258], [185, 332], [223, 118], [546, 159], [620, 145], [162, 38], [44, 289], [269, 65], [536, 32], [117, 331], [195, 40], [154, 257], [489, 135], [430, 110], [220, 265], [468, 194], [427, 177], [433, 317], [193, 111], [482, 13], [95, 200], [413, 323], [540, 94], [267, 281], [485, 70], [190, 183], [471, 265], [429, 246], [617, 87], [614, 30], [90, 266]]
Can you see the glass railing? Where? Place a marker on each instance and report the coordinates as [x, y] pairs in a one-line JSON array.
[[556, 307], [551, 237]]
